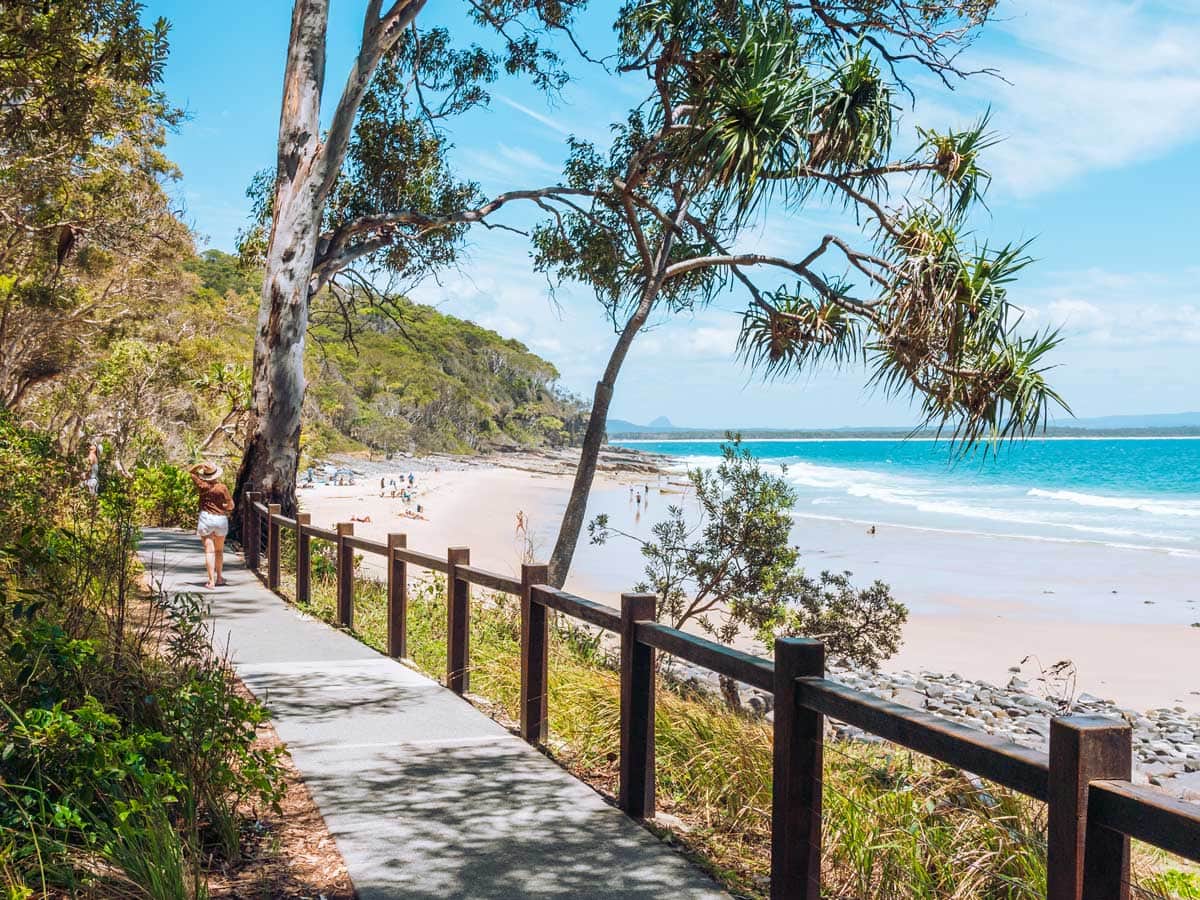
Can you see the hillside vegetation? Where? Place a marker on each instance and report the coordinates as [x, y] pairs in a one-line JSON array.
[[433, 382], [407, 377], [172, 380]]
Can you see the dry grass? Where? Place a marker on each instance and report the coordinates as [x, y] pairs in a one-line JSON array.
[[896, 825]]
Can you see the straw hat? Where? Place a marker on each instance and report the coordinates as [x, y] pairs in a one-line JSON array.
[[208, 471]]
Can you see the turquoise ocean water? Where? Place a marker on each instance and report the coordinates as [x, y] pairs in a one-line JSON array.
[[1132, 493]]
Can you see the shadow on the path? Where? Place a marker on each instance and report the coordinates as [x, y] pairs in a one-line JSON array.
[[490, 821]]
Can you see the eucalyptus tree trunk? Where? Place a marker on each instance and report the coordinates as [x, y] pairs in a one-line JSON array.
[[273, 450], [307, 167], [593, 439]]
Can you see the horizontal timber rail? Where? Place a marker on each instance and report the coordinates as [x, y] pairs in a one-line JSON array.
[[491, 580], [577, 607], [986, 755], [322, 534], [422, 560], [283, 521], [1093, 808], [367, 546], [1144, 813], [752, 670]]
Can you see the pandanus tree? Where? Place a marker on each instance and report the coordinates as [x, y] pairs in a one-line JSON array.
[[759, 111]]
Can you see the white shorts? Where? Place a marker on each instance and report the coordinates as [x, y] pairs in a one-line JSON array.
[[213, 524]]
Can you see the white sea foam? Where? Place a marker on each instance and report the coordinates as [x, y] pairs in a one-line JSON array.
[[956, 507], [1138, 504], [950, 504], [1120, 545]]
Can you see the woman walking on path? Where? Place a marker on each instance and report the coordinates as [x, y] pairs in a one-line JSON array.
[[215, 506]]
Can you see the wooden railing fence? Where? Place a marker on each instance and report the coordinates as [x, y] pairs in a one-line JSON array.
[[1093, 808]]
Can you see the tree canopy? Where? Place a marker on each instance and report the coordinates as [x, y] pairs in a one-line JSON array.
[[86, 226], [758, 112]]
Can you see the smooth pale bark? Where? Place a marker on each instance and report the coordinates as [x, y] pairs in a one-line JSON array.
[[273, 450], [306, 170], [593, 439]]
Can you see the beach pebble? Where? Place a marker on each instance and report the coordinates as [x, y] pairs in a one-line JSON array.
[[1166, 741]]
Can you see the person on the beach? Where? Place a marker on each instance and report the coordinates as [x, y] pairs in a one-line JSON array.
[[522, 530], [215, 506]]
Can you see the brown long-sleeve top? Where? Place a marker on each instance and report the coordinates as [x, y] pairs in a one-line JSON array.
[[214, 497]]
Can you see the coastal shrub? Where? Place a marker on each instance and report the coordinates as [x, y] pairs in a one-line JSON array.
[[164, 496], [728, 566], [1173, 884], [126, 751]]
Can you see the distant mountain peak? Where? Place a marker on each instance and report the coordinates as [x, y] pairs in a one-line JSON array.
[[661, 422]]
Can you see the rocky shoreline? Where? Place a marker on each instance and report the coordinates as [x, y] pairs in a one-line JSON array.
[[612, 460], [1166, 742]]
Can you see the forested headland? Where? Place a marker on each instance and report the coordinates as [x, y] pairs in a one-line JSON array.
[[171, 380]]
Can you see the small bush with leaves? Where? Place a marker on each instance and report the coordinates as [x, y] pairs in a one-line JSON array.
[[164, 496], [728, 567], [127, 753]]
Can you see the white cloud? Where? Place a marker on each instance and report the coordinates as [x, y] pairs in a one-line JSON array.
[[1095, 84], [512, 165], [710, 341], [552, 124], [1098, 308], [526, 160]]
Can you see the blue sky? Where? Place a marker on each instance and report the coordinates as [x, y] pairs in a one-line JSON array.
[[1100, 111]]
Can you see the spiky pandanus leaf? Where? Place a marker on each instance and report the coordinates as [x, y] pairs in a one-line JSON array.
[[956, 157], [794, 331], [951, 338], [852, 125], [753, 102]]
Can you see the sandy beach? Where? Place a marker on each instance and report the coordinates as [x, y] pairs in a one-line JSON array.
[[979, 604]]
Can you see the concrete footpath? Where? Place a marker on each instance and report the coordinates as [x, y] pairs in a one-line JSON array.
[[425, 796]]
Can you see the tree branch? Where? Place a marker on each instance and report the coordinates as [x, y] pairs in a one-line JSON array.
[[379, 36]]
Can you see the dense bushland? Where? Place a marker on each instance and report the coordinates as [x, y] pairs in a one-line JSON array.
[[127, 755], [173, 381]]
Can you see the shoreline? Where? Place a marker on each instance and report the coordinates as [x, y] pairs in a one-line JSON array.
[[621, 441], [1122, 615], [991, 610]]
